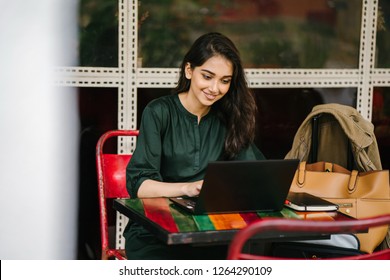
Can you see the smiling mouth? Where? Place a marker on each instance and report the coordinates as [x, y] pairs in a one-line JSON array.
[[210, 96]]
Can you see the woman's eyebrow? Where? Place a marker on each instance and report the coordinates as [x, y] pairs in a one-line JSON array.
[[212, 73]]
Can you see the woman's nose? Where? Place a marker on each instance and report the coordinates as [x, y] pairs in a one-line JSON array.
[[214, 87]]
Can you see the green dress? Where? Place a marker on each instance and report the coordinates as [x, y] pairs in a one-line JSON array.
[[173, 147]]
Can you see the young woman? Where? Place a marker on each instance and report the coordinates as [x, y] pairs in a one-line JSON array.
[[210, 116]]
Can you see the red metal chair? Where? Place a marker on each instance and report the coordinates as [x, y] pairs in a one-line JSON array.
[[280, 225], [111, 172]]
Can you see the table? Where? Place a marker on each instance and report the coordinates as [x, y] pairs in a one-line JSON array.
[[175, 226]]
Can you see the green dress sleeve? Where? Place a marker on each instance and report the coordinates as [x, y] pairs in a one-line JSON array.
[[145, 162]]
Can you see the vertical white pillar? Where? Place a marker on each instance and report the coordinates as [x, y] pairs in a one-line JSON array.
[[38, 131]]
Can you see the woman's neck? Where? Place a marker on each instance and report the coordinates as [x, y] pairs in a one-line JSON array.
[[193, 106]]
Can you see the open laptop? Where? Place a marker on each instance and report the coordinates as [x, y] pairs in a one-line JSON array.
[[242, 186]]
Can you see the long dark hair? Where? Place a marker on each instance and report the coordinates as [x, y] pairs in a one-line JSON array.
[[237, 109]]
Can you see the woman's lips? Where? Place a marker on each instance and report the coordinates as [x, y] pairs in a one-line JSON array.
[[210, 96]]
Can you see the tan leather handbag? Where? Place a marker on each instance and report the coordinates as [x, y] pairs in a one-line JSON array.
[[358, 194]]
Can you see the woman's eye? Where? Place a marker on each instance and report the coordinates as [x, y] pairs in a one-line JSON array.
[[226, 81], [207, 77]]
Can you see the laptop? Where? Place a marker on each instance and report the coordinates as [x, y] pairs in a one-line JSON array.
[[242, 186]]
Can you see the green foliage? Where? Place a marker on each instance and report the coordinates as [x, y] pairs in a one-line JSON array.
[[98, 33], [167, 28]]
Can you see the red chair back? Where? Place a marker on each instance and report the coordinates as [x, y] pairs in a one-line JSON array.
[[281, 225], [111, 172], [114, 175]]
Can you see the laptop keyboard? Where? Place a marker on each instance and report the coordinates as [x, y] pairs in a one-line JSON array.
[[190, 203]]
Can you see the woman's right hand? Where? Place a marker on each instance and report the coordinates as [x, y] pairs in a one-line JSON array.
[[192, 188], [152, 188]]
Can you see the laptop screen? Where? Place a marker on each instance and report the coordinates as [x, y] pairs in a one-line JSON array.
[[244, 186]]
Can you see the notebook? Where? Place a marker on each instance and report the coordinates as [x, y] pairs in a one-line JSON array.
[[242, 186], [307, 202]]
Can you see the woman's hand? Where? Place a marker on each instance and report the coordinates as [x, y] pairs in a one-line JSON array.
[[152, 188], [192, 188]]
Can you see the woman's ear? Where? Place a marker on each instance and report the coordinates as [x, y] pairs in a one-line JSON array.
[[188, 71]]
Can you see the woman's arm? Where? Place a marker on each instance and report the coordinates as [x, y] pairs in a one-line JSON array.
[[152, 188]]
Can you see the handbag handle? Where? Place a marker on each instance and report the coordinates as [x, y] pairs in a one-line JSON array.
[[327, 167], [352, 181]]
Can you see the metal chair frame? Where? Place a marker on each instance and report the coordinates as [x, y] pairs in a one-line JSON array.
[[281, 225], [111, 172]]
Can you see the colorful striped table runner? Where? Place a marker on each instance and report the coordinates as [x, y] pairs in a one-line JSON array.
[[162, 212]]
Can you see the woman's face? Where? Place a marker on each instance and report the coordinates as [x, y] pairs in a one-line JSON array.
[[210, 81]]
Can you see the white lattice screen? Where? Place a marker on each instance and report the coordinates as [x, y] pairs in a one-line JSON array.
[[128, 77]]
